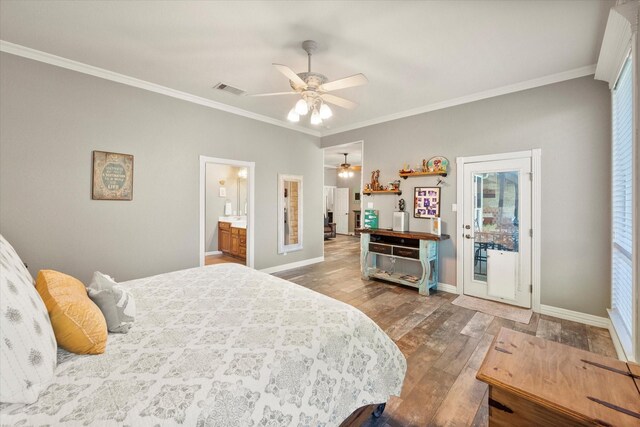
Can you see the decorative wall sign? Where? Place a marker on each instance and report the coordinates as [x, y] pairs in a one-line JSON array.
[[112, 176], [437, 164], [426, 202]]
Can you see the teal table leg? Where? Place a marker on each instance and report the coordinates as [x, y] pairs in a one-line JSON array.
[[423, 285], [364, 260]]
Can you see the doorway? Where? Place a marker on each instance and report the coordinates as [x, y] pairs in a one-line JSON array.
[[342, 190], [226, 211], [497, 213]]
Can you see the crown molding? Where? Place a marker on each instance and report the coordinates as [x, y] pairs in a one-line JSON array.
[[622, 23], [504, 90], [37, 55], [58, 61]]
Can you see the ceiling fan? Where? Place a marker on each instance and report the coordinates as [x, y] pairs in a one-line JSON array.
[[345, 168], [313, 88]]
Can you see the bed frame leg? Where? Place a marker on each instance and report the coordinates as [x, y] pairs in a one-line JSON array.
[[379, 410]]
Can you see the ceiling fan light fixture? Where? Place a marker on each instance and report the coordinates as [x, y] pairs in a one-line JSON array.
[[293, 116], [325, 112], [315, 118], [301, 107]]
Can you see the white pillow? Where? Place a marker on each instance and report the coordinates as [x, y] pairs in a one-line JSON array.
[[115, 302], [27, 343]]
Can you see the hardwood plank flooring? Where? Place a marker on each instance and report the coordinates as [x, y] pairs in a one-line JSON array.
[[444, 344], [221, 259]]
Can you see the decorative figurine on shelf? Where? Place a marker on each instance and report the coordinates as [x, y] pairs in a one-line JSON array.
[[375, 181], [367, 187], [424, 165], [401, 205], [406, 168]]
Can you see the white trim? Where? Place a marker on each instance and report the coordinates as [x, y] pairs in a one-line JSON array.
[[292, 265], [617, 343], [47, 58], [445, 287], [536, 216], [282, 248], [536, 225], [503, 90], [251, 175], [58, 61], [616, 42], [459, 230], [494, 157], [213, 253], [575, 316]]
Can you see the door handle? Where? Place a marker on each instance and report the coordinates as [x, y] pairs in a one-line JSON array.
[[469, 236]]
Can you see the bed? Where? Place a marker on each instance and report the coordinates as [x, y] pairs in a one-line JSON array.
[[224, 345]]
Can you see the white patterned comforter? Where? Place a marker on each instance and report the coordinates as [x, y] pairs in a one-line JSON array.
[[224, 345]]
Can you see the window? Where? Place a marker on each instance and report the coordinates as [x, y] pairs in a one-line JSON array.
[[622, 307]]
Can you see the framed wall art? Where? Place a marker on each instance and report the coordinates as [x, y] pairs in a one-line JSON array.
[[112, 177], [426, 202]]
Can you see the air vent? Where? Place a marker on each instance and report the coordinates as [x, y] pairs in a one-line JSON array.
[[226, 88]]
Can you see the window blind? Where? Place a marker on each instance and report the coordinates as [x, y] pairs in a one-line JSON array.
[[622, 206]]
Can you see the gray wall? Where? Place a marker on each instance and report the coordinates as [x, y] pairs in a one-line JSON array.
[[51, 119], [570, 122], [330, 176]]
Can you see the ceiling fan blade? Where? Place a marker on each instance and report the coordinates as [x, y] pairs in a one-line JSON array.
[[275, 93], [291, 75], [351, 81], [340, 102]]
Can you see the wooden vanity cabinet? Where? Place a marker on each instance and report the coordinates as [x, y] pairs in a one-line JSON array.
[[224, 237], [231, 240]]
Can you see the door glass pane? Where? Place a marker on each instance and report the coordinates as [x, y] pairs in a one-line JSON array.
[[495, 217]]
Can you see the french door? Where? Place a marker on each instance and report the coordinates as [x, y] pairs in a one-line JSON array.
[[497, 231]]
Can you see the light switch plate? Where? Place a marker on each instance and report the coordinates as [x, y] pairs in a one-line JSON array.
[[369, 205], [454, 207]]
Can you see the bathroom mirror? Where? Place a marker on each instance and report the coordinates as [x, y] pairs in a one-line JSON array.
[[289, 213]]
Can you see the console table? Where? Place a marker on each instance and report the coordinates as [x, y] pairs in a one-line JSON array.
[[413, 246]]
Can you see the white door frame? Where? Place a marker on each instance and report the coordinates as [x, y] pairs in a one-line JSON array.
[[361, 142], [251, 168], [536, 195]]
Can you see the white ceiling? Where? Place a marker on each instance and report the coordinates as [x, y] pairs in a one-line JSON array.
[[415, 54], [334, 156]]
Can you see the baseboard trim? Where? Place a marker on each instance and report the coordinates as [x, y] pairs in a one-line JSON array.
[[213, 253], [445, 287], [575, 316], [292, 265]]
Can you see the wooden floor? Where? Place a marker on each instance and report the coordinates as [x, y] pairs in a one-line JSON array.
[[221, 259], [444, 344]]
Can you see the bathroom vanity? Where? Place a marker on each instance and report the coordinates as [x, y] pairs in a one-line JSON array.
[[232, 237]]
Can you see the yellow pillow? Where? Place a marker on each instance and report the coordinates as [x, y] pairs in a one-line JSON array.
[[78, 323]]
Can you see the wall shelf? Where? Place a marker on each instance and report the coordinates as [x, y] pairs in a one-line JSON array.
[[405, 175], [369, 193]]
